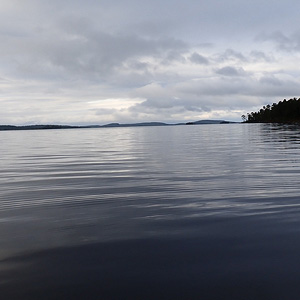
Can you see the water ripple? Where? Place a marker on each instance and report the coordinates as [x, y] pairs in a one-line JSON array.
[[118, 183]]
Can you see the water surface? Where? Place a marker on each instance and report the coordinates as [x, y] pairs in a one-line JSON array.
[[178, 212]]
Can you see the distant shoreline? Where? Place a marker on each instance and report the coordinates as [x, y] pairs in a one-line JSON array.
[[110, 125]]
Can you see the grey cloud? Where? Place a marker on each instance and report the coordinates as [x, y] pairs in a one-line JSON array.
[[277, 36], [216, 92], [231, 71], [138, 65], [104, 111], [195, 108], [73, 52], [173, 56], [282, 41], [273, 87], [270, 80], [218, 89], [161, 103], [130, 79], [198, 59], [82, 50], [231, 54], [229, 20], [192, 107], [164, 105], [261, 56]]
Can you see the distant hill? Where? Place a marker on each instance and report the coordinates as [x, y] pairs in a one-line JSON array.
[[202, 122], [135, 124], [40, 127], [36, 127]]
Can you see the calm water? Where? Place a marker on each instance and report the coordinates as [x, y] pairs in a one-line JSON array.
[[180, 212]]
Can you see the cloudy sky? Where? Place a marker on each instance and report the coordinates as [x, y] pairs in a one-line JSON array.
[[102, 61]]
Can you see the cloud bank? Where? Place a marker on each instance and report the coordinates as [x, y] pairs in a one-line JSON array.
[[92, 62]]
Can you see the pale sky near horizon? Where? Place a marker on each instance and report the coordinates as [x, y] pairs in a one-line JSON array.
[[96, 62]]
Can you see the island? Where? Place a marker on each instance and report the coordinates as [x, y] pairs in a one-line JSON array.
[[110, 125]]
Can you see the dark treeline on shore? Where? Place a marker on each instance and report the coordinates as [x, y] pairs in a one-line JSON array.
[[286, 111]]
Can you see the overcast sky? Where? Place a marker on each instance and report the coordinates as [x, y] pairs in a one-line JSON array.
[[102, 61]]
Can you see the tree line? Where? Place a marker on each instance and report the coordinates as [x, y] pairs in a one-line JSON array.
[[286, 111]]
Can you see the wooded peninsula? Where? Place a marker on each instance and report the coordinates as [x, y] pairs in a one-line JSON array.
[[286, 111]]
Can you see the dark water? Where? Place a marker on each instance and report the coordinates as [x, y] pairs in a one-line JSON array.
[[186, 212]]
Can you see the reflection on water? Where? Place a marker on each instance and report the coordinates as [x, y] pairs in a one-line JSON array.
[[204, 207], [281, 133]]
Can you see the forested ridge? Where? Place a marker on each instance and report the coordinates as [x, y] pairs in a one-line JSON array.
[[286, 111]]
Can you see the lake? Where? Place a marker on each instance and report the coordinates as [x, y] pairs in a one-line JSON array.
[[175, 212]]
